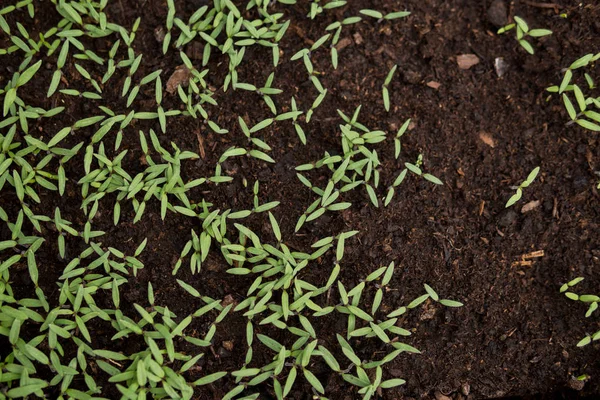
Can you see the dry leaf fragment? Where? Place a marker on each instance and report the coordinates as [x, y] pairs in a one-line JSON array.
[[343, 43], [181, 76], [487, 139], [466, 61], [358, 39], [532, 205]]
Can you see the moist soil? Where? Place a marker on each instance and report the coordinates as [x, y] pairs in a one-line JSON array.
[[478, 132]]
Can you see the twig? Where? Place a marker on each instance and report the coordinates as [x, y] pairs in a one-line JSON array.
[[554, 6]]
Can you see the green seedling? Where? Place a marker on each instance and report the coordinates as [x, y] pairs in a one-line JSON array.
[[523, 32], [128, 168], [584, 111], [519, 189], [590, 300], [385, 90]]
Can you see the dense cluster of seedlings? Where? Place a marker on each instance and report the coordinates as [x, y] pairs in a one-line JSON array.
[[281, 296], [578, 84], [576, 89]]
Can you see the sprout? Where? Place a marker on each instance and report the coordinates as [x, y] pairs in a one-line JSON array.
[[519, 193], [523, 31], [590, 300], [385, 91], [582, 112], [128, 177]]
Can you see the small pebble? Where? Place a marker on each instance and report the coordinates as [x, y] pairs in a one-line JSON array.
[[181, 76], [412, 76], [497, 13], [440, 396], [581, 182], [576, 384], [508, 218], [500, 66], [358, 39], [342, 44], [465, 388], [532, 205], [227, 300], [195, 50], [159, 34], [223, 353]]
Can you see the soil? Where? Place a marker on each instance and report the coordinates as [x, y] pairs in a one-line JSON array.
[[479, 133]]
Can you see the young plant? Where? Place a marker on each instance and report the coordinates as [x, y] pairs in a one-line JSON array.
[[519, 189], [523, 32], [586, 110], [417, 170], [385, 91], [590, 300], [58, 334]]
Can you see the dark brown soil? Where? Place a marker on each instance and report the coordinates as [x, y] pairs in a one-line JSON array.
[[516, 334]]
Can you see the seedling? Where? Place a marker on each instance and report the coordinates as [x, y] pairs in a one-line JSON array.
[[519, 189], [134, 169], [588, 299], [523, 32], [583, 111], [385, 90]]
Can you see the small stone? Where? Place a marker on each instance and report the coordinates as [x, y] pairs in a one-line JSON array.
[[228, 345], [532, 205], [465, 388], [210, 265], [580, 182], [466, 61], [508, 218], [487, 139], [434, 85], [536, 359], [195, 50], [159, 34], [396, 372], [428, 313], [497, 13], [181, 76], [358, 39], [576, 384], [223, 353], [387, 30], [227, 300], [440, 396], [343, 43], [412, 76], [500, 66], [529, 133]]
